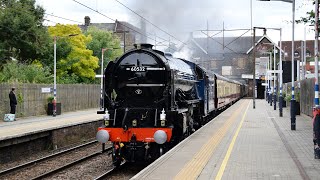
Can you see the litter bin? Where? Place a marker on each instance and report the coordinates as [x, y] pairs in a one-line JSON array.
[[50, 109]]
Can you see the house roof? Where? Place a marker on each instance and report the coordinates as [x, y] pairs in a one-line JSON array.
[[260, 41], [118, 26]]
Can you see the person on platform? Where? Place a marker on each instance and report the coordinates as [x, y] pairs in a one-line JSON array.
[[13, 101]]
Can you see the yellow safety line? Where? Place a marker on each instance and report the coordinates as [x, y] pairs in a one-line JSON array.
[[194, 167], [226, 158]]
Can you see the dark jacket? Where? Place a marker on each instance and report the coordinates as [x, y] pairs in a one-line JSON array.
[[13, 99]]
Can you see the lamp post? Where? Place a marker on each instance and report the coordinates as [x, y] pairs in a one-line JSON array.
[[316, 65], [280, 74], [254, 67], [54, 113], [268, 77], [269, 81], [270, 89], [54, 76], [101, 76], [281, 80], [254, 63], [293, 101], [274, 79], [101, 86], [274, 72]]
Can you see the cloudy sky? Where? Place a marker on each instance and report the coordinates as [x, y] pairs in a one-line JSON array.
[[180, 17]]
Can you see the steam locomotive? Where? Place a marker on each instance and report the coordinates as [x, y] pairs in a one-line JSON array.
[[152, 101]]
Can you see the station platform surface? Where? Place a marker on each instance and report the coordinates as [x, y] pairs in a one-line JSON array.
[[242, 143], [30, 125]]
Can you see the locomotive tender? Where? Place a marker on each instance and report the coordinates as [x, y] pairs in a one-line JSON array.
[[152, 101]]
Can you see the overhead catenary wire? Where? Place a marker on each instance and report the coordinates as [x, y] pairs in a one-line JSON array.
[[50, 21], [62, 18], [115, 21]]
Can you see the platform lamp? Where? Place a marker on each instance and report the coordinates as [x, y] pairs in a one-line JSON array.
[[55, 71]]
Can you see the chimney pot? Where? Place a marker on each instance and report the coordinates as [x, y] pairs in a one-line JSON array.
[[87, 21]]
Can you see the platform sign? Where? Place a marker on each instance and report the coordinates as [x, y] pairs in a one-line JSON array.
[[275, 71], [261, 66], [46, 90], [248, 76], [99, 76]]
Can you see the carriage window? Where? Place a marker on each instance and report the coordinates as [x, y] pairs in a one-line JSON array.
[[226, 89]]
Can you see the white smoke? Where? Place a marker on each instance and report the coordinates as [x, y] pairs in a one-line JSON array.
[[184, 53]]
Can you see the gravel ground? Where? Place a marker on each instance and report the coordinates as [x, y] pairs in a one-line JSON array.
[[45, 166], [89, 169], [36, 155], [128, 172], [95, 167]]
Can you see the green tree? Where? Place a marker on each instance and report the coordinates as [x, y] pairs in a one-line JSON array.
[[79, 63], [22, 35], [310, 16], [104, 39]]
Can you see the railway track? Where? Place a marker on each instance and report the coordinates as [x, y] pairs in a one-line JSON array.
[[61, 168], [24, 166], [107, 173]]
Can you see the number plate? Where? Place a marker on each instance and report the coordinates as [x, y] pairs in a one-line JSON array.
[[137, 69]]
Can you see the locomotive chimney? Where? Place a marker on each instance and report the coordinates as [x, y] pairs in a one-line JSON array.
[[143, 46]]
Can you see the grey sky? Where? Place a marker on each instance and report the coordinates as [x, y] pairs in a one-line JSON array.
[[182, 17]]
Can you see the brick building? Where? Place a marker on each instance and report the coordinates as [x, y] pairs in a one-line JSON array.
[[127, 33], [298, 53]]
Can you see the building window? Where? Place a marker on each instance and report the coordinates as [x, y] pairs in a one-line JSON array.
[[296, 54], [308, 53]]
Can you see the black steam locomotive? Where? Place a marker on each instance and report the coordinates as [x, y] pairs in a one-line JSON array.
[[152, 101]]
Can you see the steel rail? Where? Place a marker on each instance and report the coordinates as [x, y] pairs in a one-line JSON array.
[[54, 171], [45, 158], [104, 175]]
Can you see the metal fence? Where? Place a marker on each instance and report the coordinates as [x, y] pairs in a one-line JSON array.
[[304, 94], [32, 102]]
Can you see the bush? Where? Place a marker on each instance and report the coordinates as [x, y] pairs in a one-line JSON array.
[[296, 96], [50, 98], [288, 97], [15, 72]]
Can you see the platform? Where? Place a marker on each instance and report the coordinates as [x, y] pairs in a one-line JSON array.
[[242, 143], [32, 125]]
